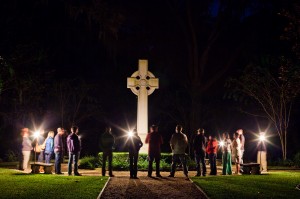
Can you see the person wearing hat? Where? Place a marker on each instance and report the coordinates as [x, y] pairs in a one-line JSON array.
[[199, 144]]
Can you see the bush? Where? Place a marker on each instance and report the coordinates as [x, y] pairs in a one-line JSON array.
[[11, 156], [89, 162], [297, 160], [280, 162], [121, 161]]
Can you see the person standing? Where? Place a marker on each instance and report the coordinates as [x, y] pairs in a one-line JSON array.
[[155, 140], [74, 148], [236, 152], [107, 143], [199, 145], [211, 149], [59, 148], [134, 144], [26, 147], [226, 154], [242, 139], [49, 147], [178, 143], [262, 154], [41, 142]]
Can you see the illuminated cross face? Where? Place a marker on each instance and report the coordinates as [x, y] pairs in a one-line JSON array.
[[142, 83]]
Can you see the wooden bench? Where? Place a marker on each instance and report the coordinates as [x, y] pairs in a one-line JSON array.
[[35, 167], [251, 168]]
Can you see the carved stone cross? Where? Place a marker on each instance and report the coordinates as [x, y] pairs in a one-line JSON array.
[[142, 83]]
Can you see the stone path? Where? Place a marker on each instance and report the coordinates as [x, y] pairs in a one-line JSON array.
[[121, 186]]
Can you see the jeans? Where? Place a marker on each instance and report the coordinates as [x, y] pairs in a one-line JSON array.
[[73, 157], [151, 158], [107, 154], [48, 157], [133, 159], [41, 156], [226, 161], [213, 163], [200, 158], [176, 158], [58, 161]]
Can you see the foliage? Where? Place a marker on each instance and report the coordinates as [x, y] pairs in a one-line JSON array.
[[18, 185], [88, 162], [272, 185], [11, 156], [297, 160], [281, 162], [121, 161], [273, 84]]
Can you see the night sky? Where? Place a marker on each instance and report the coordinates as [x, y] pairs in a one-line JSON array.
[[193, 47]]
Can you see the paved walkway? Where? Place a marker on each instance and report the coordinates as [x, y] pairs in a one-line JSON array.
[[121, 186]]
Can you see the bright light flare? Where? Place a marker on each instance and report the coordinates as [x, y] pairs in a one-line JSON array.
[[130, 134], [36, 134], [262, 138], [221, 143]]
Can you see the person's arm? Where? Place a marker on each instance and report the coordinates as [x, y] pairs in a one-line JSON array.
[[147, 139]]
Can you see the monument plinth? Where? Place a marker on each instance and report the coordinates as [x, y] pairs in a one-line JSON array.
[[142, 83]]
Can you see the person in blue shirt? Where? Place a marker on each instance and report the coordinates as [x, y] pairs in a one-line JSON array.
[[49, 147]]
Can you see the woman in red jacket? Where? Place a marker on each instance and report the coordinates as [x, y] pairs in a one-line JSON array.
[[211, 149]]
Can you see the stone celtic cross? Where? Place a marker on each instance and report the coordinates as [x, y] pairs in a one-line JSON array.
[[142, 83]]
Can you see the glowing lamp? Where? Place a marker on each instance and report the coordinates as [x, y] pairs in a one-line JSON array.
[[262, 138], [36, 134], [130, 134], [221, 143]]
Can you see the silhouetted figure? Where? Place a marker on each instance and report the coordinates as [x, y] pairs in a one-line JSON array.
[[211, 149], [26, 147], [107, 143], [134, 144], [199, 145], [49, 147], [179, 143], [59, 148], [74, 148], [155, 140], [226, 154]]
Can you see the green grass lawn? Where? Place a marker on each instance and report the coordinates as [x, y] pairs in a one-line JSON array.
[[279, 184], [14, 184]]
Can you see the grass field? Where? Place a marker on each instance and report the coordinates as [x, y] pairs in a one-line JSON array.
[[14, 184], [279, 184]]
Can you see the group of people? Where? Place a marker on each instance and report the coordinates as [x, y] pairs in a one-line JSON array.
[[45, 148], [178, 144]]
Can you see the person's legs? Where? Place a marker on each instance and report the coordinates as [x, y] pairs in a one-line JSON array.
[[58, 162], [224, 163], [76, 157], [214, 164], [131, 165], [173, 166], [197, 160], [157, 165], [135, 167], [259, 159], [150, 165], [182, 159], [110, 156], [104, 163], [70, 162], [210, 157], [41, 157], [242, 160], [202, 160], [228, 167], [26, 157]]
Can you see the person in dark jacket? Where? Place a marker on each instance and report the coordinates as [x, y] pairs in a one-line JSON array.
[[199, 145], [59, 148], [74, 147], [107, 143], [49, 147], [134, 144], [154, 139]]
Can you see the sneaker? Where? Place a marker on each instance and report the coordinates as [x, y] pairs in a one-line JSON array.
[[111, 175], [150, 176], [135, 177], [159, 176], [77, 174], [59, 173], [171, 176], [197, 175]]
